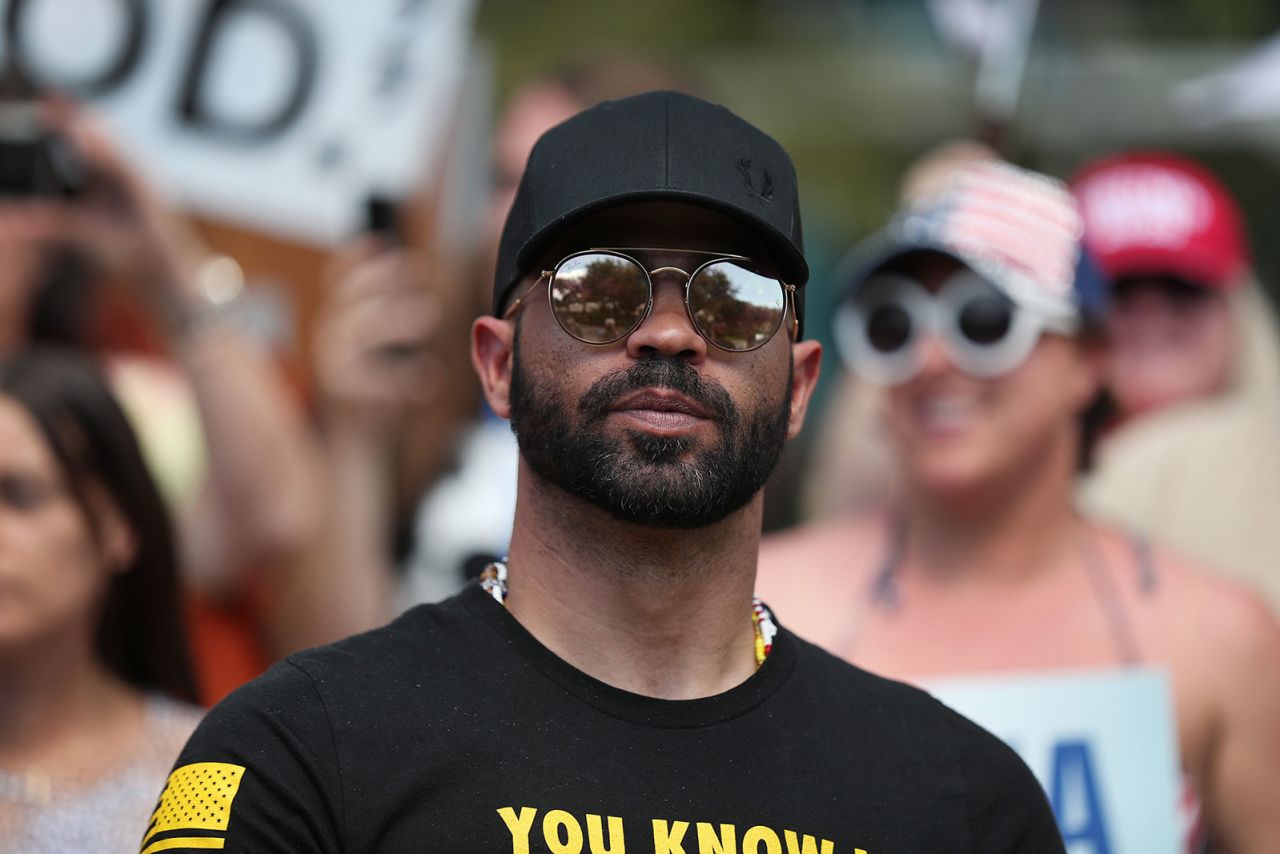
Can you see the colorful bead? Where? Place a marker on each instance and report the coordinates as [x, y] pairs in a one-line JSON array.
[[494, 582]]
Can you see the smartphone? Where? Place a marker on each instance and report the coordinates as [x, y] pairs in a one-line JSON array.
[[382, 217], [34, 161]]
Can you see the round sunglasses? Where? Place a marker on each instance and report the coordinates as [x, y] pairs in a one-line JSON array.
[[984, 332], [600, 296]]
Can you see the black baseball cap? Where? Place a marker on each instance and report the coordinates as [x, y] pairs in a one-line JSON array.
[[655, 146]]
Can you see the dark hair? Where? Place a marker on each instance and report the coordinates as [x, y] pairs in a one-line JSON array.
[[140, 634], [63, 300], [1099, 414]]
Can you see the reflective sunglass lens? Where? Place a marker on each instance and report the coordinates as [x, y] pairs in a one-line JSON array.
[[599, 297], [888, 327], [986, 320], [736, 308]]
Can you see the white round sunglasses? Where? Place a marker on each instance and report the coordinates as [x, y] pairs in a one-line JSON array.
[[984, 332]]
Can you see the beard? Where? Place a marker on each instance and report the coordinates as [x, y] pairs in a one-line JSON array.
[[658, 481]]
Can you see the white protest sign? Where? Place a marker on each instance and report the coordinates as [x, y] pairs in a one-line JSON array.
[[281, 115], [1101, 743]]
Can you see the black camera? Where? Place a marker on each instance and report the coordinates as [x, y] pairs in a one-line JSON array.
[[34, 161]]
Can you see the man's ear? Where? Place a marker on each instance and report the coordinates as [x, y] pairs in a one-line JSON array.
[[492, 350], [806, 361]]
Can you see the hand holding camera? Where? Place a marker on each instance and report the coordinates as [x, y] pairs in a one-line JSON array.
[[62, 180], [373, 348]]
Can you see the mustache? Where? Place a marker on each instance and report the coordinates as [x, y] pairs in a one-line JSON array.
[[671, 374]]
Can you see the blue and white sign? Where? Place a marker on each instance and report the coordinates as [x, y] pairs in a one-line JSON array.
[[282, 115], [1102, 743]]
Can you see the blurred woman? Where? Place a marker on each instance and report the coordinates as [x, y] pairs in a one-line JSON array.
[[94, 674], [222, 431], [1191, 451], [979, 316]]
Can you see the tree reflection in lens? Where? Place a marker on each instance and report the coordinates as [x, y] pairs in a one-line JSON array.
[[736, 308], [599, 298]]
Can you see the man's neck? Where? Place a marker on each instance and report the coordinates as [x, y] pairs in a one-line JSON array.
[[1003, 532], [660, 612]]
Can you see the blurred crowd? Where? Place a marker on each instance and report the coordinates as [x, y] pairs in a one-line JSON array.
[[1051, 440]]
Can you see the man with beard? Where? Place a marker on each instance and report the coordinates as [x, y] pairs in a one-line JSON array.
[[612, 685]]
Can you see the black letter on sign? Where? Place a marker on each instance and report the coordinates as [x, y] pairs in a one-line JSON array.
[[301, 35], [94, 85]]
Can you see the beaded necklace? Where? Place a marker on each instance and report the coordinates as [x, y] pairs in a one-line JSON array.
[[494, 581]]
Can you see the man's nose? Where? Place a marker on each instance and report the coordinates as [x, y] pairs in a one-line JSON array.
[[668, 330]]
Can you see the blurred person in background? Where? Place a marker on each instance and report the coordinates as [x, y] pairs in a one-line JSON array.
[[221, 429], [1190, 449], [855, 468], [95, 685], [422, 474], [978, 313]]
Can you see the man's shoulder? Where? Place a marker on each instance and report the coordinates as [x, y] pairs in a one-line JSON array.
[[906, 710], [420, 644], [928, 741]]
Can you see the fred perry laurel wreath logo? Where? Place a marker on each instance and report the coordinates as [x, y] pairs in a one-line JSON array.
[[765, 192]]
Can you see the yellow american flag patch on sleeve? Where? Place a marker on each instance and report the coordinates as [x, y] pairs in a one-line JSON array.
[[196, 797]]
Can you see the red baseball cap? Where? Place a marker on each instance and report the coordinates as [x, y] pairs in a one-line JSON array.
[[1153, 213]]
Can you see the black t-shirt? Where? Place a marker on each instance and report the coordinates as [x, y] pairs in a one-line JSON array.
[[453, 730]]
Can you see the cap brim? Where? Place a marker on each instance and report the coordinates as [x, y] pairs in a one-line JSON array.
[[792, 267], [891, 243], [1192, 267]]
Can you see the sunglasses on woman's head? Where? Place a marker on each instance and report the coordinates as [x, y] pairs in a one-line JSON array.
[[600, 296], [984, 332]]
